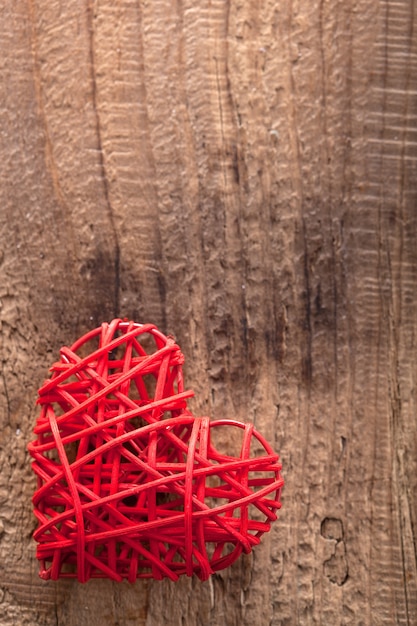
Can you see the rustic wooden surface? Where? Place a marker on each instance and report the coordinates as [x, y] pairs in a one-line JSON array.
[[242, 174]]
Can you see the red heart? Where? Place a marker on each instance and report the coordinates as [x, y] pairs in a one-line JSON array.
[[130, 483]]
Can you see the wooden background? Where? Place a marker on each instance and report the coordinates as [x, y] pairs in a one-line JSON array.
[[243, 174]]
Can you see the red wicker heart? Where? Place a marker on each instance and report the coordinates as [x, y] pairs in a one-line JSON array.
[[130, 483]]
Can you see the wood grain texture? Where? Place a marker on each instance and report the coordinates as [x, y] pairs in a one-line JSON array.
[[242, 174]]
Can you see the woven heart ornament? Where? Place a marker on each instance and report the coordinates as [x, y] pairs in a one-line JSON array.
[[130, 483]]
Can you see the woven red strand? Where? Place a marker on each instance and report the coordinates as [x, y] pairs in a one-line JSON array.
[[130, 483]]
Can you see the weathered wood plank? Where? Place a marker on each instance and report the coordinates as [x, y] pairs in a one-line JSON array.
[[242, 174]]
